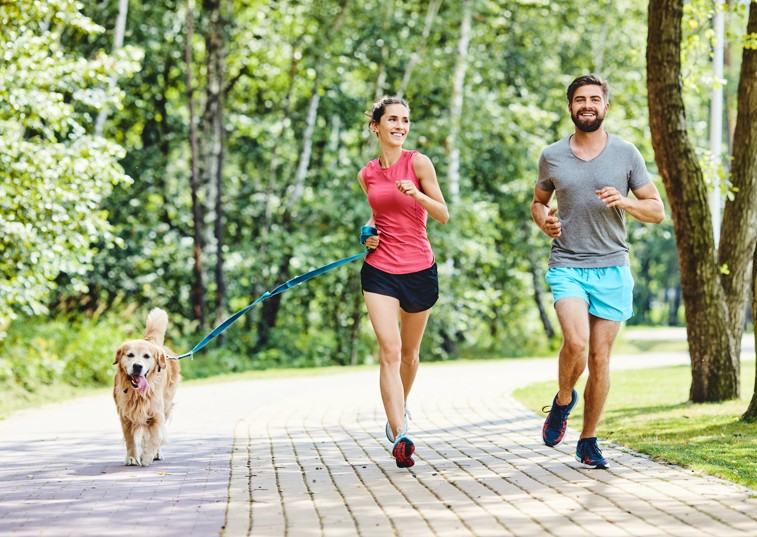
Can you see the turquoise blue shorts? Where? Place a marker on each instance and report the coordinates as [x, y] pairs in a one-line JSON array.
[[608, 291]]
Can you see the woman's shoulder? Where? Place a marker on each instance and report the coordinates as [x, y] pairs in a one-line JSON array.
[[369, 166], [418, 159]]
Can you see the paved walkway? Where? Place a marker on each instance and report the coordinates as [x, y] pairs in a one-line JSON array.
[[307, 456]]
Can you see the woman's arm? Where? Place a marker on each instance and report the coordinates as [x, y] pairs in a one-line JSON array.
[[431, 198]]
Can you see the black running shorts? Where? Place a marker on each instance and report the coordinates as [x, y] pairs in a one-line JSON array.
[[416, 291]]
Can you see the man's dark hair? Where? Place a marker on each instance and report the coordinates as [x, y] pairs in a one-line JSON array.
[[586, 80]]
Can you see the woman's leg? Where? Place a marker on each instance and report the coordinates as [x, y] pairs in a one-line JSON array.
[[412, 327], [384, 313]]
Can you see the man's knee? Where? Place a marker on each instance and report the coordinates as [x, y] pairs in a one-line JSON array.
[[575, 346], [599, 362]]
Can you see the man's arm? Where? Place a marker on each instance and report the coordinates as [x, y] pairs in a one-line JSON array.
[[543, 216], [645, 207]]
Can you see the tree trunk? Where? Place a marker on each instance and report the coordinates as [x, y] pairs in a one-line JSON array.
[[118, 42], [269, 310], [433, 9], [453, 150], [539, 299], [744, 177], [714, 377], [739, 232], [456, 103], [751, 411], [197, 294], [675, 304], [214, 137], [303, 163], [538, 283]]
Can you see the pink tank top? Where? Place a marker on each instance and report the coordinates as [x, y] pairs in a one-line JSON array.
[[403, 246]]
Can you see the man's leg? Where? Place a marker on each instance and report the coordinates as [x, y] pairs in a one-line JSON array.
[[601, 339], [574, 320], [573, 314]]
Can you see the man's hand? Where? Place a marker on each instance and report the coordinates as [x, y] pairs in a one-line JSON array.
[[552, 226], [611, 197]]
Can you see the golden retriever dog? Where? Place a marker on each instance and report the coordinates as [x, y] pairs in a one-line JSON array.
[[143, 388]]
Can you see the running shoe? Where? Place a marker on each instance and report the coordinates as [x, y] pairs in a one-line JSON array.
[[403, 452], [388, 429], [557, 421], [589, 455]]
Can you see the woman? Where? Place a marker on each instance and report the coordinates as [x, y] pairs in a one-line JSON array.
[[399, 277]]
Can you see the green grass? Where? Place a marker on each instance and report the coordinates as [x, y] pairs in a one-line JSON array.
[[647, 411], [629, 345], [13, 399]]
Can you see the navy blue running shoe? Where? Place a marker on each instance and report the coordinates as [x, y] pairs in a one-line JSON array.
[[589, 455], [557, 421]]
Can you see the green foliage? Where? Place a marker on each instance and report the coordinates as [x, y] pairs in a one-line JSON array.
[[520, 61], [55, 174], [40, 353], [118, 232]]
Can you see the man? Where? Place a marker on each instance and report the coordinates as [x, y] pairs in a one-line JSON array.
[[590, 173]]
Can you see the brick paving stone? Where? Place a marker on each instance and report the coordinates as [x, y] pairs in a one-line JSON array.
[[308, 456]]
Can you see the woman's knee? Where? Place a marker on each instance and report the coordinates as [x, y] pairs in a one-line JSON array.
[[390, 354], [411, 356]]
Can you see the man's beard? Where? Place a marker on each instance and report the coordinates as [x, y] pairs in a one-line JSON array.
[[587, 126]]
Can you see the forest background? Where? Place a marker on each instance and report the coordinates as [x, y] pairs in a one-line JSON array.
[[192, 156]]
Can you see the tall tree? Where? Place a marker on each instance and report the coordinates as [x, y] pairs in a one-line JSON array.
[[456, 102], [713, 282], [118, 42], [737, 242], [213, 136], [744, 177], [197, 293]]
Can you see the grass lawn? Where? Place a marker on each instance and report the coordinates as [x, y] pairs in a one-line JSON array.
[[647, 411]]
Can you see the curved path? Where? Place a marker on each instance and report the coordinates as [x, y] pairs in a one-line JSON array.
[[307, 456]]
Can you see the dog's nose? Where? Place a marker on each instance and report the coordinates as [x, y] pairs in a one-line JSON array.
[[137, 369]]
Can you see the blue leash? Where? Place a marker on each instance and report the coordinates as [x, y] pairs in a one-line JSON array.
[[365, 232]]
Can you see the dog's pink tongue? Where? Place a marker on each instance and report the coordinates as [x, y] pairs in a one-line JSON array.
[[141, 383]]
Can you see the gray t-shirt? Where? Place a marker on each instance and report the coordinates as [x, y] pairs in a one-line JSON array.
[[593, 236]]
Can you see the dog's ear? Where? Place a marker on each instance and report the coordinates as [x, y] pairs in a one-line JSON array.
[[162, 359], [119, 353]]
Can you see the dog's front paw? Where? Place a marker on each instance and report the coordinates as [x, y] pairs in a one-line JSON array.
[[131, 461], [158, 456]]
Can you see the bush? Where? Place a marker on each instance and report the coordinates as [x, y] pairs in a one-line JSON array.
[[41, 352]]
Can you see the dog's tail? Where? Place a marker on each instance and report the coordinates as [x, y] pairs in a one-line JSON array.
[[157, 322]]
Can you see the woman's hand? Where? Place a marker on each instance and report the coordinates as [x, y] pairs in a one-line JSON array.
[[407, 187]]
